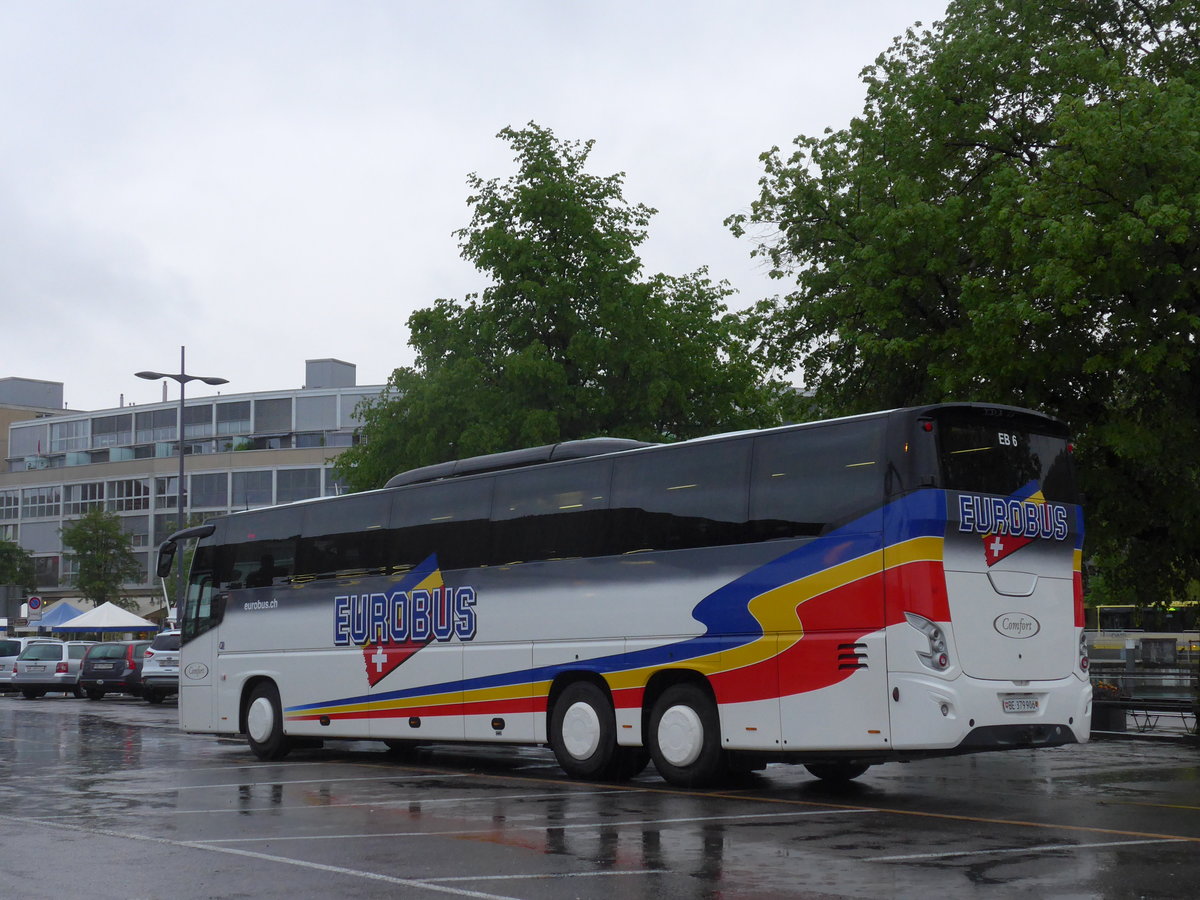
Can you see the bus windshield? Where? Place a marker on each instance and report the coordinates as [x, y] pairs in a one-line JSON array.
[[1005, 456]]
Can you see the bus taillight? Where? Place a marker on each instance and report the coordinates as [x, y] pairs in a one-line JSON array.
[[938, 657], [1083, 651]]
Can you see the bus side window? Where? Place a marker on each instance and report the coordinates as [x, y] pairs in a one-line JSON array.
[[557, 513], [263, 563], [346, 534], [810, 479], [449, 519], [261, 547], [682, 498]]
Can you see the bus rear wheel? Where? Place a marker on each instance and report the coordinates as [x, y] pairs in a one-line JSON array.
[[685, 737], [264, 723], [583, 735]]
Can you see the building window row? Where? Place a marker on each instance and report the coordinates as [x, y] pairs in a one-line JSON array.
[[266, 423], [129, 494], [40, 502], [79, 499], [208, 490]]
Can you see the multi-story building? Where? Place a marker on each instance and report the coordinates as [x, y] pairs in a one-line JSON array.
[[240, 451]]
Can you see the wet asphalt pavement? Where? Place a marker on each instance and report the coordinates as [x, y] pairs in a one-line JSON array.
[[108, 799]]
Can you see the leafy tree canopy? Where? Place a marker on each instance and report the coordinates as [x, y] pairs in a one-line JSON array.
[[105, 555], [568, 341], [16, 566], [1013, 218]]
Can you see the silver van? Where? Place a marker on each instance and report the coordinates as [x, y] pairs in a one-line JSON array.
[[42, 668], [10, 649]]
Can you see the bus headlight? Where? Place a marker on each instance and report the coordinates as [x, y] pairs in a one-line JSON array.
[[938, 657]]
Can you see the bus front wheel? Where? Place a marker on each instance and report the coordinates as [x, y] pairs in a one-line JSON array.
[[264, 723], [685, 737]]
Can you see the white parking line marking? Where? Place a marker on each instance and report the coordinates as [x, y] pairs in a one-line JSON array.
[[238, 784], [542, 826], [1044, 848], [343, 870], [266, 857], [438, 885], [364, 804], [536, 876]]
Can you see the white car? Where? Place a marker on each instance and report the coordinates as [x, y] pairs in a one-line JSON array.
[[160, 667], [10, 649]]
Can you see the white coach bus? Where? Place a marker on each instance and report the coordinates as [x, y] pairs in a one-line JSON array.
[[882, 587]]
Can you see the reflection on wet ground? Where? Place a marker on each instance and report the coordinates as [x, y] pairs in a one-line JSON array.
[[118, 784]]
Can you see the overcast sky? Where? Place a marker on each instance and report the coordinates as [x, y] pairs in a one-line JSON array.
[[270, 182]]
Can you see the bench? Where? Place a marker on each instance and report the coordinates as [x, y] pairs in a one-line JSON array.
[[1146, 713]]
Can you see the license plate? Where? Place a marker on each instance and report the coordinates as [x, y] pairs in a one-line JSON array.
[[36, 669], [1020, 704]]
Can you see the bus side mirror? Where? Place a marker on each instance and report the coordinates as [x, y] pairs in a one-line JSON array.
[[166, 558]]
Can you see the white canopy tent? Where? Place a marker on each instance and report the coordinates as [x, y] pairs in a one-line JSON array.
[[106, 617]]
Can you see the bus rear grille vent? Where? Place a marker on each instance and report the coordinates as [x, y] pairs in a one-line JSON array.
[[852, 656]]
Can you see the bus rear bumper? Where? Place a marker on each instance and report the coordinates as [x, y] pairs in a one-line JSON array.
[[970, 714]]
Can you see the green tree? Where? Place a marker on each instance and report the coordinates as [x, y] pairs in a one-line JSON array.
[[568, 340], [105, 556], [1013, 218], [16, 566]]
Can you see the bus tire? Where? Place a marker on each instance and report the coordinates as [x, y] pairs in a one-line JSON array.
[[628, 763], [264, 723], [836, 772], [583, 732], [685, 737]]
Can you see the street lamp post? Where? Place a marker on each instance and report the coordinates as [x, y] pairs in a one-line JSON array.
[[181, 501]]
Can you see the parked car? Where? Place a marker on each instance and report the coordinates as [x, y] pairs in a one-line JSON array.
[[113, 667], [160, 667], [10, 649], [46, 666]]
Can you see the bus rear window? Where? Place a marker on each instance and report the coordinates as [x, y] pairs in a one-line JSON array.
[[1003, 456]]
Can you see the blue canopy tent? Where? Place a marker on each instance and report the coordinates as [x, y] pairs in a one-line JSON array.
[[59, 614]]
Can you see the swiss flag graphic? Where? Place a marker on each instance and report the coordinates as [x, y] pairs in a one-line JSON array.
[[997, 546], [383, 659]]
